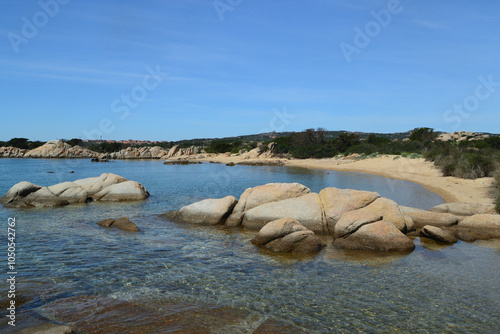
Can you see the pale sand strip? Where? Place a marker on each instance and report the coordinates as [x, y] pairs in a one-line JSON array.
[[451, 189]]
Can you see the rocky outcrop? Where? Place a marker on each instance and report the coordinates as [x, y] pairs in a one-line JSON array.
[[122, 223], [12, 152], [288, 235], [207, 212], [154, 152], [59, 149], [176, 151], [107, 187], [465, 209], [462, 136], [355, 219]]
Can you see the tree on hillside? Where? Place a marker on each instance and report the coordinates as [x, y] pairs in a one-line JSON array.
[[19, 143], [423, 134]]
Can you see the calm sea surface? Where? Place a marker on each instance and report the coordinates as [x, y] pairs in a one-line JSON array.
[[182, 278]]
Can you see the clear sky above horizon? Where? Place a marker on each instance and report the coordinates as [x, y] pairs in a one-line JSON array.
[[171, 70]]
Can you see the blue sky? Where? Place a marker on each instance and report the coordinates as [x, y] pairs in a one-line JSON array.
[[171, 70]]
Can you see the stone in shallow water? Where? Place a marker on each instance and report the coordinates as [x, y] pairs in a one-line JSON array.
[[439, 234], [421, 219], [210, 211], [380, 235], [122, 223], [288, 235]]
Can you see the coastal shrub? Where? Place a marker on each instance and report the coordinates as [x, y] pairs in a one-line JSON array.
[[496, 189], [219, 147], [404, 154], [373, 155], [362, 148], [107, 147], [313, 151], [379, 141], [474, 165], [423, 135], [23, 143]]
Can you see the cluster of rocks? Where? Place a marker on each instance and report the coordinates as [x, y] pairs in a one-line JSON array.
[[51, 149], [462, 136], [176, 151], [107, 187], [60, 149], [289, 217]]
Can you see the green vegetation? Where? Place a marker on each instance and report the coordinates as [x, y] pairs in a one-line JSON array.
[[314, 144], [496, 190], [23, 143]]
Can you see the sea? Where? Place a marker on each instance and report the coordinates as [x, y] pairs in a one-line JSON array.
[[181, 278]]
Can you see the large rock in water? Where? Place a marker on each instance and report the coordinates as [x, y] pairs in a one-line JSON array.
[[288, 235], [392, 213], [93, 185], [44, 198], [480, 226], [208, 212], [271, 192], [307, 209], [268, 193], [123, 191], [423, 218], [107, 187], [465, 209], [338, 201], [17, 193], [439, 234], [380, 235], [69, 191]]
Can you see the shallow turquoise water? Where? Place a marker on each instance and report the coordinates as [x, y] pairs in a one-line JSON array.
[[63, 253]]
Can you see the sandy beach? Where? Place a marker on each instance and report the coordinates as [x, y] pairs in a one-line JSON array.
[[451, 189]]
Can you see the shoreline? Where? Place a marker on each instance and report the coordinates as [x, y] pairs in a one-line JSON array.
[[451, 189], [417, 170]]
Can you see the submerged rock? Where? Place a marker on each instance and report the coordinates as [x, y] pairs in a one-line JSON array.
[[122, 223], [181, 162], [288, 235]]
